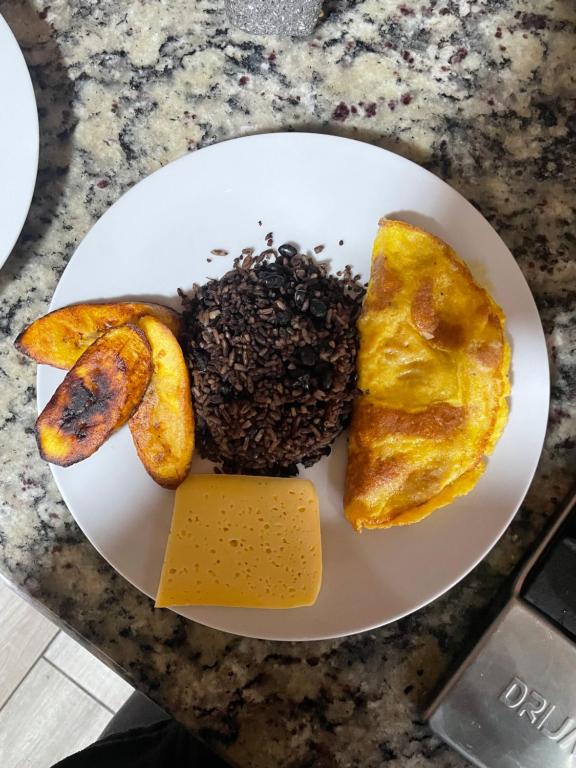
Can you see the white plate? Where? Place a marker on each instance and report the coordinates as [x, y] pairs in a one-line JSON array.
[[313, 189], [18, 141]]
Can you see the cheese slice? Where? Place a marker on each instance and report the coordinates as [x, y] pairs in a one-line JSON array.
[[243, 541]]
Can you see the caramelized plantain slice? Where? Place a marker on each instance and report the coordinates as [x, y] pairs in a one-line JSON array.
[[97, 396], [60, 337], [163, 426]]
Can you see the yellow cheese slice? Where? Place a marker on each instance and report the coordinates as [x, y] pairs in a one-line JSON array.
[[250, 542]]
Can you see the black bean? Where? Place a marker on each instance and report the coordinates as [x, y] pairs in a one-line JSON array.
[[308, 356], [226, 390], [318, 308], [274, 280], [287, 250], [200, 360], [283, 318], [325, 376], [300, 296]]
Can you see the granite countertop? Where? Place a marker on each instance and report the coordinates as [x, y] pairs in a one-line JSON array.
[[479, 92]]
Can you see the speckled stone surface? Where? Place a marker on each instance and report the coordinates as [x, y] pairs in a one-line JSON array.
[[480, 92]]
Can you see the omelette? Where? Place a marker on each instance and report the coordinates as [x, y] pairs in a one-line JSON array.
[[433, 366]]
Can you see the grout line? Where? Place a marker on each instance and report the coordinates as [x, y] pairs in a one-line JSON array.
[[48, 644], [30, 668], [79, 685], [45, 651], [11, 696]]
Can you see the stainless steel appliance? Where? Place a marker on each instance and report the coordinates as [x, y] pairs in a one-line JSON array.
[[512, 703]]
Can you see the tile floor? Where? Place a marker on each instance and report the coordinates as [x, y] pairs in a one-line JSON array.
[[55, 697]]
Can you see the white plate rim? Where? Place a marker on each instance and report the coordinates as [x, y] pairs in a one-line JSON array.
[[541, 431], [26, 166]]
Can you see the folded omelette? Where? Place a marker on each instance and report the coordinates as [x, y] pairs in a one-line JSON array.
[[433, 369]]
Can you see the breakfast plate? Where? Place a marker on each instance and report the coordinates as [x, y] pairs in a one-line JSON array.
[[18, 139], [172, 230]]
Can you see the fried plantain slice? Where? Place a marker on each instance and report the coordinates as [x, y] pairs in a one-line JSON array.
[[60, 337], [97, 396], [163, 426]]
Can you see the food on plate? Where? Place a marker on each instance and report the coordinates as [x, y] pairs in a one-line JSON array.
[[61, 336], [243, 541], [433, 371], [98, 395], [163, 426], [117, 367], [271, 348]]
